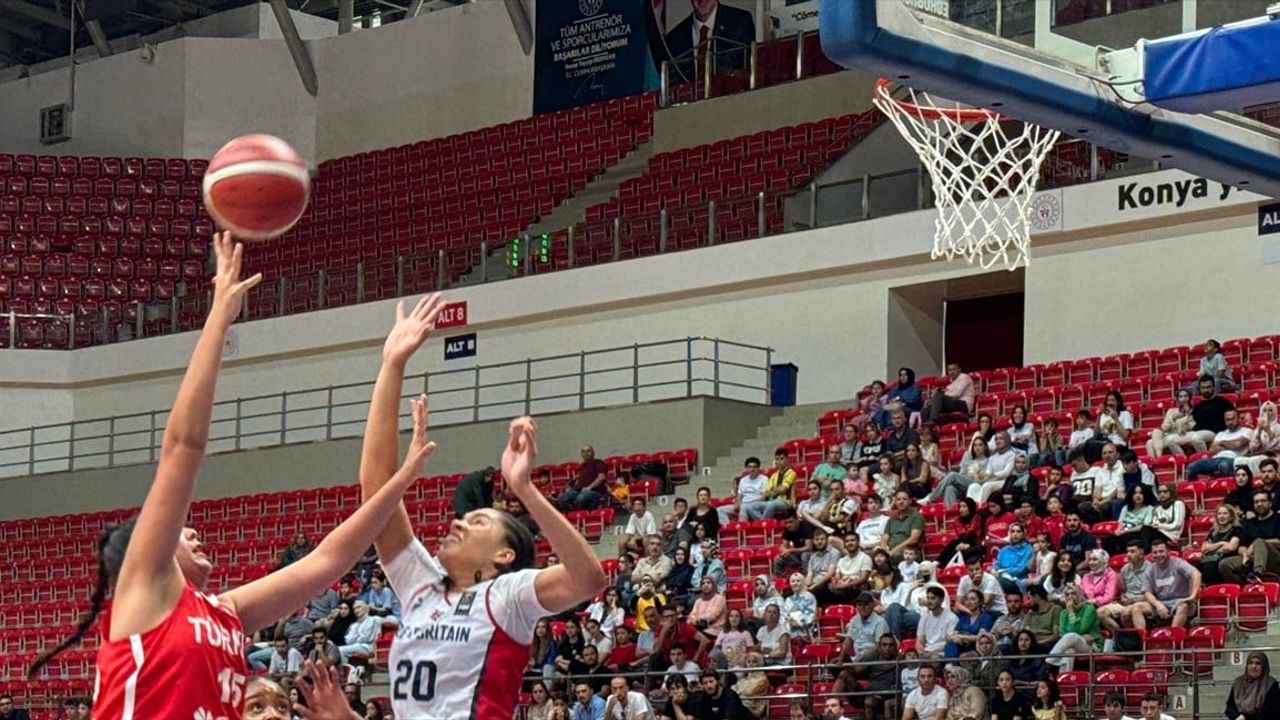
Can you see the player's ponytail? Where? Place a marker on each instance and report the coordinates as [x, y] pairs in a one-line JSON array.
[[520, 540], [112, 544]]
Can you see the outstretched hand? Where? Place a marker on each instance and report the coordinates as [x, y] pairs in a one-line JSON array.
[[228, 288], [420, 448], [325, 700], [411, 330], [520, 453]]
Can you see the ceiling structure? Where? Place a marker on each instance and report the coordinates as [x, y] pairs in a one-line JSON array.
[[36, 31]]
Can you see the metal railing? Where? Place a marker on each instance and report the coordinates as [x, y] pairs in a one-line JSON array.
[[642, 372]]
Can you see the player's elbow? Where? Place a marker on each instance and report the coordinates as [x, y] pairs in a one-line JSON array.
[[591, 580]]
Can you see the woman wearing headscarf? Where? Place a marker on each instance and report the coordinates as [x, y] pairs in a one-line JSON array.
[[903, 395], [1265, 441], [1078, 630], [985, 662], [679, 583], [968, 702], [800, 609], [765, 594], [1254, 695]]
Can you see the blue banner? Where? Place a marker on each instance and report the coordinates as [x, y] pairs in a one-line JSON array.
[[586, 51]]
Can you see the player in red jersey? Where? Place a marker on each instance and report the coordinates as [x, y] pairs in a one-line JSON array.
[[469, 612], [169, 650]]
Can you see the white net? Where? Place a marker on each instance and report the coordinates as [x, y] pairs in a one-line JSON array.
[[984, 171]]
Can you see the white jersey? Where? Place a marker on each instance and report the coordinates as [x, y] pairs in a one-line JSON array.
[[459, 655]]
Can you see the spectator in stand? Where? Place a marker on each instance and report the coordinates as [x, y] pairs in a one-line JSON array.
[[1027, 664], [1063, 574], [1082, 433], [540, 704], [681, 666], [1000, 466], [1264, 444], [647, 597], [870, 529], [77, 707], [801, 609], [936, 625], [971, 621], [710, 566], [1013, 561], [1076, 540], [1119, 613], [930, 700], [870, 446], [1228, 446], [299, 548], [774, 638], [1078, 628], [1214, 366], [1210, 413], [589, 705], [732, 645], [878, 666], [625, 585], [903, 396], [886, 480], [709, 609], [1042, 617], [1111, 480], [474, 492], [1177, 430], [542, 652], [956, 397], [909, 566], [1254, 695], [1050, 443], [915, 474], [569, 648], [716, 702], [797, 540], [1021, 486], [1008, 625], [679, 584], [814, 508], [1270, 471], [779, 491], [626, 704], [1259, 553], [1099, 583], [1008, 702], [608, 610], [1043, 561], [587, 489], [322, 650], [831, 467], [1113, 706], [626, 655], [1047, 704], [1171, 586], [640, 523], [850, 445], [705, 514], [973, 469], [1089, 498], [986, 429], [986, 584], [969, 527], [361, 634], [382, 601], [1134, 523], [654, 564], [998, 522], [900, 435], [930, 451], [1169, 516], [820, 566], [765, 593], [984, 661], [905, 529], [1222, 541], [967, 701], [748, 500], [285, 662], [1115, 422], [864, 630], [1022, 433], [595, 637]]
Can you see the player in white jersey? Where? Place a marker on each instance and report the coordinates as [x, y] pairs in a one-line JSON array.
[[468, 613]]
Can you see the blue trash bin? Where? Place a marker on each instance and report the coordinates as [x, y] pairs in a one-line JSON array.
[[782, 384]]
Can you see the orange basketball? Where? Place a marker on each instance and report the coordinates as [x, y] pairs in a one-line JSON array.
[[256, 186]]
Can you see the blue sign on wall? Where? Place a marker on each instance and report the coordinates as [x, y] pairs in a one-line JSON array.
[[460, 346], [586, 51]]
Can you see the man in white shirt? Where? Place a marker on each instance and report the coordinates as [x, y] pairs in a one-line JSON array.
[[654, 563], [639, 524], [871, 529], [625, 704], [1227, 445], [832, 709], [750, 493], [927, 702], [285, 663], [985, 583], [682, 665], [936, 624]]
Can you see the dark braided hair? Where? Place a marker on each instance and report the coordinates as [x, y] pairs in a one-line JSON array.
[[112, 544]]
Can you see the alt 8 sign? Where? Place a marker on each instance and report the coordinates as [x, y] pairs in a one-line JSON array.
[[452, 315]]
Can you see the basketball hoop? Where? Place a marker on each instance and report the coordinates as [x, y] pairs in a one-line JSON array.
[[984, 170]]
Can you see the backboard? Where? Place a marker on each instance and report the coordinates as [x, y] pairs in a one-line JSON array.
[[1079, 66]]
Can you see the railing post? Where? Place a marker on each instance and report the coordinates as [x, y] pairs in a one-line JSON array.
[[151, 441], [715, 370], [360, 280], [922, 188], [813, 205], [635, 373], [111, 441], [208, 301], [139, 319], [173, 312], [484, 261], [768, 376], [761, 227], [322, 279], [399, 276], [688, 367], [284, 412], [1093, 162], [528, 258], [282, 296], [711, 222], [475, 397], [582, 378], [31, 450], [239, 405], [708, 67], [755, 65], [662, 230], [528, 385], [569, 235], [13, 329], [71, 446], [617, 238], [800, 55], [664, 88], [442, 274], [866, 196], [71, 331], [328, 414]]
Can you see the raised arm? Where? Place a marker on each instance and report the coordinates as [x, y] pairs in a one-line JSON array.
[[578, 576], [150, 580], [289, 588], [382, 430]]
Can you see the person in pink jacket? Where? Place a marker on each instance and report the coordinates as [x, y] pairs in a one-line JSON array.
[[1100, 584]]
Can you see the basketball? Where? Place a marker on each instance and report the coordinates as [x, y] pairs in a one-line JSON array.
[[256, 186]]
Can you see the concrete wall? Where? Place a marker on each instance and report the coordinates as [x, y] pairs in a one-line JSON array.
[[712, 426]]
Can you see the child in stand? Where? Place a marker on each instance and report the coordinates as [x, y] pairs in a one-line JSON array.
[[910, 566], [909, 677], [1050, 443]]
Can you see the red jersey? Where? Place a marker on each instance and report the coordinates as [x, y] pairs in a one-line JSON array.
[[189, 667]]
